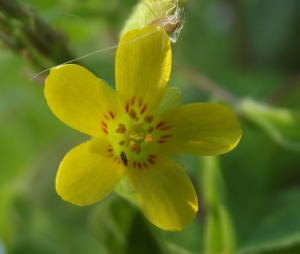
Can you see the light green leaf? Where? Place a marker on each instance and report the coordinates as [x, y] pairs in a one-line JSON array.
[[280, 124], [219, 232]]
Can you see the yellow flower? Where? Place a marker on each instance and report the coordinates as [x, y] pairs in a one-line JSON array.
[[133, 134]]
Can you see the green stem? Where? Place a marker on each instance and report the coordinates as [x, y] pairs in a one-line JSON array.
[[219, 229], [23, 31], [204, 83]]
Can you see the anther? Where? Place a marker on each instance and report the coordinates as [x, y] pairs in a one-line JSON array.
[[133, 146], [150, 129], [138, 150], [132, 113], [122, 142], [148, 138], [121, 128], [149, 118]]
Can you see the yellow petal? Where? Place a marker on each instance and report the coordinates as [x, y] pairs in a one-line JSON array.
[[79, 99], [143, 65], [165, 193], [87, 173], [199, 129]]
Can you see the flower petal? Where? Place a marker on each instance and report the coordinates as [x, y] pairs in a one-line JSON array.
[[87, 174], [78, 98], [199, 129], [165, 193], [143, 65]]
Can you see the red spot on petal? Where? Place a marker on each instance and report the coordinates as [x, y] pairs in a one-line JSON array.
[[165, 136], [151, 160], [134, 164], [143, 109], [132, 101], [127, 107], [105, 130], [165, 128], [140, 166], [112, 115], [145, 165], [161, 141], [159, 124], [152, 156], [110, 150], [140, 102], [106, 117], [104, 124]]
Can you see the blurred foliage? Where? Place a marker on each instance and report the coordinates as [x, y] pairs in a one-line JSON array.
[[249, 49]]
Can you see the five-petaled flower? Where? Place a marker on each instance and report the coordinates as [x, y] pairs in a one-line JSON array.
[[135, 130]]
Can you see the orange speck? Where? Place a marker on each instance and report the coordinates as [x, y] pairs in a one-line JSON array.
[[148, 138]]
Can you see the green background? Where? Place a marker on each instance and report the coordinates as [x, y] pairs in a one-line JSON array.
[[243, 53]]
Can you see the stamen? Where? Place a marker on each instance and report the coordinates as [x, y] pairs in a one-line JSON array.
[[150, 129], [121, 128], [122, 142], [133, 146], [124, 158], [138, 150], [132, 114], [148, 138], [149, 118]]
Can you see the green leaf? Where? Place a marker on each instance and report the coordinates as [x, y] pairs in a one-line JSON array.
[[219, 232], [280, 124], [279, 227], [121, 228]]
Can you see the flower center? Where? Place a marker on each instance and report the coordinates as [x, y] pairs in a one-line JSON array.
[[134, 134]]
